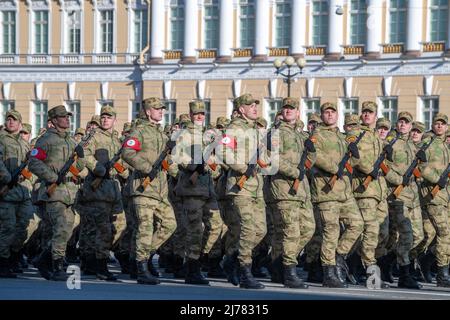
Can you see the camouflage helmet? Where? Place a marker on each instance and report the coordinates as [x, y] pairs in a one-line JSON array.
[[405, 115], [245, 99], [351, 119], [222, 122], [261, 121], [314, 117], [26, 128], [419, 126], [383, 122], [440, 117]]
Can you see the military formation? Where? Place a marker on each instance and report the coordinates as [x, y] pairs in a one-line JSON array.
[[235, 199]]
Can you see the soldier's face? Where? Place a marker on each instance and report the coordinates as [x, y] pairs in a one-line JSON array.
[[198, 118], [383, 132], [107, 121], [289, 114], [12, 125], [25, 136], [329, 116], [155, 114], [62, 122], [312, 125], [416, 135], [368, 118], [250, 111], [77, 137], [403, 126], [440, 127]]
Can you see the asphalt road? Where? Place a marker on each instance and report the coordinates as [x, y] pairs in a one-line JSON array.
[[31, 286]]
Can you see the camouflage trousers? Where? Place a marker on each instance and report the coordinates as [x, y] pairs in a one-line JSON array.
[[331, 214], [123, 243], [429, 233], [265, 246], [439, 217], [252, 225], [230, 233], [213, 233], [32, 226], [374, 214], [383, 234], [146, 237], [177, 242], [294, 225], [408, 223], [119, 226], [14, 220], [58, 225], [313, 247], [202, 233]]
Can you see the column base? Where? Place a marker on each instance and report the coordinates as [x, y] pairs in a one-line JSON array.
[[259, 58], [156, 60], [188, 60], [332, 56], [223, 59], [371, 55], [411, 54]]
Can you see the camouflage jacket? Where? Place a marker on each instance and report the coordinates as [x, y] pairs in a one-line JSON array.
[[15, 150], [101, 148], [151, 141], [403, 155], [291, 146], [189, 153], [5, 176], [236, 154], [370, 147], [331, 146], [438, 158], [55, 149]]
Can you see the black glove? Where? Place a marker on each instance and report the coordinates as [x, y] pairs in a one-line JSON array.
[[353, 148], [405, 181], [80, 151], [389, 152], [60, 179], [374, 174], [309, 145], [420, 155], [201, 169], [442, 183]]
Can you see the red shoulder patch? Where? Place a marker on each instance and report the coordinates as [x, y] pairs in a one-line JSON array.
[[39, 154], [133, 143], [228, 141]]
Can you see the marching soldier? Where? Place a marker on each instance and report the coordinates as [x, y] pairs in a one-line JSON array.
[[313, 121], [383, 126], [25, 132], [150, 203], [336, 203], [49, 156], [79, 134]]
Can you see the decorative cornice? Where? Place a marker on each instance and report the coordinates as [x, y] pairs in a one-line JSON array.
[[70, 5], [136, 4], [104, 4], [8, 5], [38, 4]]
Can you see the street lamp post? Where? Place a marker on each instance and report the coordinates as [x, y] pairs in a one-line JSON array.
[[289, 62]]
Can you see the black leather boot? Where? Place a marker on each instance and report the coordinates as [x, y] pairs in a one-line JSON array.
[[124, 261], [133, 268], [230, 266], [90, 268], [44, 264], [59, 274], [193, 274], [179, 268], [143, 274], [330, 278], [442, 278], [276, 270], [246, 278], [291, 279], [315, 272], [386, 264], [257, 264], [103, 272], [5, 271], [341, 269], [215, 269], [14, 259], [153, 270], [425, 262], [406, 280]]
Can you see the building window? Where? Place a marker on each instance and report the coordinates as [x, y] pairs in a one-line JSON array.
[[430, 109], [389, 108], [283, 23], [73, 32], [41, 32], [140, 30], [247, 23], [397, 23], [74, 107], [350, 106], [358, 21], [320, 22], [106, 30], [212, 27], [273, 106], [40, 116], [136, 109], [177, 24], [171, 111], [5, 106], [438, 20], [8, 31], [312, 105]]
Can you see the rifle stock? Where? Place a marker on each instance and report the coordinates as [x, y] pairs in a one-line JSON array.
[[398, 190], [242, 181]]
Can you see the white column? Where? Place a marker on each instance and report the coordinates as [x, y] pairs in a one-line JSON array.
[[190, 30], [373, 25], [157, 32], [335, 30], [226, 30], [414, 27], [447, 45], [262, 29], [298, 31]]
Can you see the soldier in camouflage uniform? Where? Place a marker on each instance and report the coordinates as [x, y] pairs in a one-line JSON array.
[[48, 157], [313, 121], [100, 201], [335, 204], [248, 202], [79, 134], [293, 216], [144, 146], [405, 210], [16, 209], [25, 132], [438, 159], [383, 127]]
